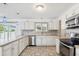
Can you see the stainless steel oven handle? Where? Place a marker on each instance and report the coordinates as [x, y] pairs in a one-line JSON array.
[[66, 45]]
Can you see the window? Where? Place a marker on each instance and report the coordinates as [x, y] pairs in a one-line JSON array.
[[41, 26]]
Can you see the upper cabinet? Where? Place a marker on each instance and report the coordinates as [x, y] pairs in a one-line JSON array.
[[41, 26], [50, 25], [76, 11], [29, 25], [53, 25], [73, 12], [70, 14]]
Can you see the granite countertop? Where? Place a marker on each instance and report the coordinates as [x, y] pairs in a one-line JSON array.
[[8, 42]]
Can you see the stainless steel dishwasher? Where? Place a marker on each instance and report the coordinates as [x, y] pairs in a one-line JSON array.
[[32, 40]]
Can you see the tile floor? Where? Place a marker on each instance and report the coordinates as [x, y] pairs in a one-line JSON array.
[[39, 51]]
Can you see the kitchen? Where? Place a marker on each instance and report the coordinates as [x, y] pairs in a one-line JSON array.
[[46, 29]]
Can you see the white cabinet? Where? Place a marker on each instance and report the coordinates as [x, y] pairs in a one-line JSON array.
[[10, 49], [26, 41], [53, 25], [57, 45], [7, 50], [1, 51], [51, 41], [20, 45], [76, 10], [15, 48], [50, 25], [38, 41], [21, 25], [45, 41], [29, 25], [69, 14], [77, 50], [41, 41]]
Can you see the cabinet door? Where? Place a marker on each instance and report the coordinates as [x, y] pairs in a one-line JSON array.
[[1, 51], [70, 14], [38, 41], [43, 40], [29, 25], [20, 45], [15, 48], [76, 10], [77, 50], [57, 45], [55, 24], [51, 41], [50, 25], [7, 50], [26, 41], [21, 25]]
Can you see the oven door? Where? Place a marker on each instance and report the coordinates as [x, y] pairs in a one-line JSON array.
[[66, 50]]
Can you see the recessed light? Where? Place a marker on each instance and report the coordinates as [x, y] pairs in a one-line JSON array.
[[40, 7]]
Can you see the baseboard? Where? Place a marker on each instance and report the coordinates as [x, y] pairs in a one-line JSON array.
[[46, 46], [32, 45]]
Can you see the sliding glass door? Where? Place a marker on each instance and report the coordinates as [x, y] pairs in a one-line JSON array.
[[7, 31]]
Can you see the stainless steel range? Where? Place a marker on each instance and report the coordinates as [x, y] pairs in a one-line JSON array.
[[66, 50], [67, 46]]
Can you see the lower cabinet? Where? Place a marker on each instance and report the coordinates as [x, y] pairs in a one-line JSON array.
[[20, 46], [14, 48], [38, 41], [45, 41], [57, 45], [77, 50], [7, 50]]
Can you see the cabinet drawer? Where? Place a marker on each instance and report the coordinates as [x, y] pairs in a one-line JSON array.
[[7, 50], [15, 48]]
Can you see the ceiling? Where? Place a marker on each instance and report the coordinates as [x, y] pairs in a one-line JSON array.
[[26, 10]]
